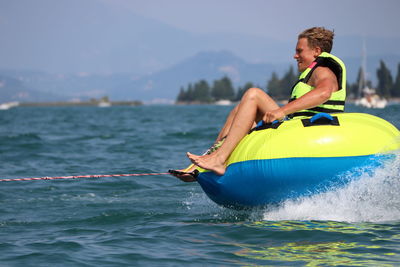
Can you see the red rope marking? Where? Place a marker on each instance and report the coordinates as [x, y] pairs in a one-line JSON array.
[[82, 176]]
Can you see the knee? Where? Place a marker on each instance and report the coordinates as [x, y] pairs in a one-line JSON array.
[[253, 93]]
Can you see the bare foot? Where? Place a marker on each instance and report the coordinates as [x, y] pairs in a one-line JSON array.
[[186, 177], [211, 162]]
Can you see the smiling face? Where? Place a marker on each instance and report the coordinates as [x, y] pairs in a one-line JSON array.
[[304, 54]]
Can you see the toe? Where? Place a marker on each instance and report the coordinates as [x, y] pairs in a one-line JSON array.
[[190, 155]]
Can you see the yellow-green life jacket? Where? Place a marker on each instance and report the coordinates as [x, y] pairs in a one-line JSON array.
[[337, 100]]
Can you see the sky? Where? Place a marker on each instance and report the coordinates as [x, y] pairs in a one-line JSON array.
[[126, 36], [278, 19]]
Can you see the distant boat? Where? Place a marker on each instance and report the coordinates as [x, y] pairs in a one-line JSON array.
[[367, 97], [104, 104], [371, 99], [8, 105], [223, 102]]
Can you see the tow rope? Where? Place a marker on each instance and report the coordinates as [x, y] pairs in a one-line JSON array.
[[82, 176]]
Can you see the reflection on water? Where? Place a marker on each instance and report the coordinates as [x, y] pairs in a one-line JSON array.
[[316, 243], [337, 253], [301, 243]]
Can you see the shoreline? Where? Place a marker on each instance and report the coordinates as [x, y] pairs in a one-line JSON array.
[[80, 104]]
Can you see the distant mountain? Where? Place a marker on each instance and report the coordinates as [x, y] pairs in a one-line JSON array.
[[209, 66], [12, 89], [162, 85], [61, 87]]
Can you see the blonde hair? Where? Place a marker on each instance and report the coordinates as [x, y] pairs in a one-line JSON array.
[[319, 37]]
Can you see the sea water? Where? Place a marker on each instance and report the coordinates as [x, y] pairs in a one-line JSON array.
[[159, 220]]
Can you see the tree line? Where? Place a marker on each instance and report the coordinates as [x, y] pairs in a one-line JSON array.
[[386, 86], [281, 88], [203, 92]]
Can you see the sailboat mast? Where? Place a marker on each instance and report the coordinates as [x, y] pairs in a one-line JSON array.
[[362, 82]]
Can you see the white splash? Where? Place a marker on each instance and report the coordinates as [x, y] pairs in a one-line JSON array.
[[373, 198]]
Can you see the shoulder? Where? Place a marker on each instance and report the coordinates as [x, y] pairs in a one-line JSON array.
[[324, 74]]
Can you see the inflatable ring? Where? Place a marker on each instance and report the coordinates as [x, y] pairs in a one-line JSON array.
[[301, 157]]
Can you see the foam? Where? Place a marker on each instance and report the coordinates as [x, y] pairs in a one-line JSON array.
[[372, 198]]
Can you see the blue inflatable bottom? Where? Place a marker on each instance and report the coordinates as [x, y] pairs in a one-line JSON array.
[[264, 182]]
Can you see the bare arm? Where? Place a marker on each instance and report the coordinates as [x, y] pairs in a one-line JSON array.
[[324, 82]]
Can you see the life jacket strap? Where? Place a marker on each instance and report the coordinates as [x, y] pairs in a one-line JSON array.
[[309, 113]]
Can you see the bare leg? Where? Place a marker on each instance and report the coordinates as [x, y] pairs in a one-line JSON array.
[[228, 123], [255, 103], [187, 177]]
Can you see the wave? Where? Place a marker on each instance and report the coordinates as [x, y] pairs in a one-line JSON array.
[[20, 137], [372, 198]]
